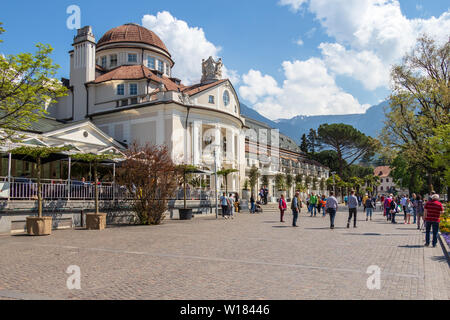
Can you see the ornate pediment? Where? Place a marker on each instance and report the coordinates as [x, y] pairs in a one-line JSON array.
[[211, 70]]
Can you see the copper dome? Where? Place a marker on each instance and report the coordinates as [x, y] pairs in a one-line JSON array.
[[132, 33]]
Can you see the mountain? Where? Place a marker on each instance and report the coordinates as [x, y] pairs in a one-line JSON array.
[[369, 123]]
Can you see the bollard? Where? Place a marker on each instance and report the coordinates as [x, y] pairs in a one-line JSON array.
[[81, 218]]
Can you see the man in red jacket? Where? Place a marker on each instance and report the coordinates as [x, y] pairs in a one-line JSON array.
[[432, 217]]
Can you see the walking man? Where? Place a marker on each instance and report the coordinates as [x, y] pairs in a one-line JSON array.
[[224, 204], [352, 209], [332, 207], [252, 204], [433, 212], [296, 206], [369, 205], [313, 204]]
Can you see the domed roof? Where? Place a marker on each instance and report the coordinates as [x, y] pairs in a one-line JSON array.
[[131, 32]]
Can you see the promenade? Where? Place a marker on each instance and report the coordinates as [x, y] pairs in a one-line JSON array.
[[250, 257]]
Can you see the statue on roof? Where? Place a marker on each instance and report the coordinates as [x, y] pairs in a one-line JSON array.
[[211, 70]]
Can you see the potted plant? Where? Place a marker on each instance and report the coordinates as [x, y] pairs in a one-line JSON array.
[[185, 170], [39, 225], [96, 220]]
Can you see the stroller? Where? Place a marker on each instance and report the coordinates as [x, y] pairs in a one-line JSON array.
[[258, 208]]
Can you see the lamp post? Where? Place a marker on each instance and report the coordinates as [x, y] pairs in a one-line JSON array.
[[334, 183], [215, 183]]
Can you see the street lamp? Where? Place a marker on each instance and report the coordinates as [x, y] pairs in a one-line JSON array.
[[334, 183]]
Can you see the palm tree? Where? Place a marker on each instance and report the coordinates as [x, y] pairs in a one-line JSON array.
[[289, 183], [253, 178], [225, 173]]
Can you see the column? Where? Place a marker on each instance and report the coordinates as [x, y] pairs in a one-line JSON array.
[[230, 146], [196, 149], [218, 145]]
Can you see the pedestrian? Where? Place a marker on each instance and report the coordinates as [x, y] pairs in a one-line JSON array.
[[414, 203], [224, 204], [231, 206], [323, 203], [403, 203], [409, 211], [419, 211], [359, 201], [369, 205], [296, 206], [307, 203], [393, 210], [282, 206], [313, 204], [332, 207], [433, 212], [252, 204], [346, 200], [387, 207], [352, 209]]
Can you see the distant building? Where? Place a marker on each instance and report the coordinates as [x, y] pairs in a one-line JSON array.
[[387, 184]]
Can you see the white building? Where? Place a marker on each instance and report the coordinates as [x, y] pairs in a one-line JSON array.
[[124, 85]]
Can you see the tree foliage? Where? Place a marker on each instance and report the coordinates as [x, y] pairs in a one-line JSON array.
[[253, 178], [420, 103], [150, 177], [349, 144], [27, 87]]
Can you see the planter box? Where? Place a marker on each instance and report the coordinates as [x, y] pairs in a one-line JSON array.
[[96, 221], [445, 247], [185, 214], [39, 226]]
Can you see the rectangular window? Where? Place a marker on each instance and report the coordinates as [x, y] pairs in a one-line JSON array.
[[160, 66], [104, 62], [211, 99], [132, 57], [133, 89], [151, 63], [113, 60], [120, 90], [387, 180]]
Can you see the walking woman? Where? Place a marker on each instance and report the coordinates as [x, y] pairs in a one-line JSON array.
[[369, 205], [419, 210], [282, 206]]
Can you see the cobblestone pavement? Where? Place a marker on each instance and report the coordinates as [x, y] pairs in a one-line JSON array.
[[250, 257]]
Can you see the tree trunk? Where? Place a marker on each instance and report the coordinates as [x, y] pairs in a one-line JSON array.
[[38, 162], [97, 211]]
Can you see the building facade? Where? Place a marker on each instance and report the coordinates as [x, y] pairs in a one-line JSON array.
[[124, 85], [387, 184]]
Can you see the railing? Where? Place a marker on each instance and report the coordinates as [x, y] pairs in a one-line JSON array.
[[54, 189]]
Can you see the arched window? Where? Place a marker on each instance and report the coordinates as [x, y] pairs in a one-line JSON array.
[[226, 98]]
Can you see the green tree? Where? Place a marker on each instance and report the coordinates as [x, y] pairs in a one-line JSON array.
[[289, 183], [280, 182], [313, 141], [441, 152], [94, 159], [350, 144], [225, 173], [304, 144], [38, 154], [322, 185], [308, 181], [419, 104], [27, 87], [253, 178], [314, 183]]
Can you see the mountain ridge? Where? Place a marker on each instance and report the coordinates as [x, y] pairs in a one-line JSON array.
[[370, 123]]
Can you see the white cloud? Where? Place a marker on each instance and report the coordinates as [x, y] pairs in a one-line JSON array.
[[187, 45], [295, 5], [308, 90], [364, 66], [299, 42], [371, 36]]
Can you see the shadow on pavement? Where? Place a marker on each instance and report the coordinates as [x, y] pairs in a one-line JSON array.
[[411, 247]]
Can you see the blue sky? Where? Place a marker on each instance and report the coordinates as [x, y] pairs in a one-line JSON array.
[[340, 66]]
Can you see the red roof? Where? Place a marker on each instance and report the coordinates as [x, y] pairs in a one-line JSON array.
[[382, 172], [132, 33], [139, 72]]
